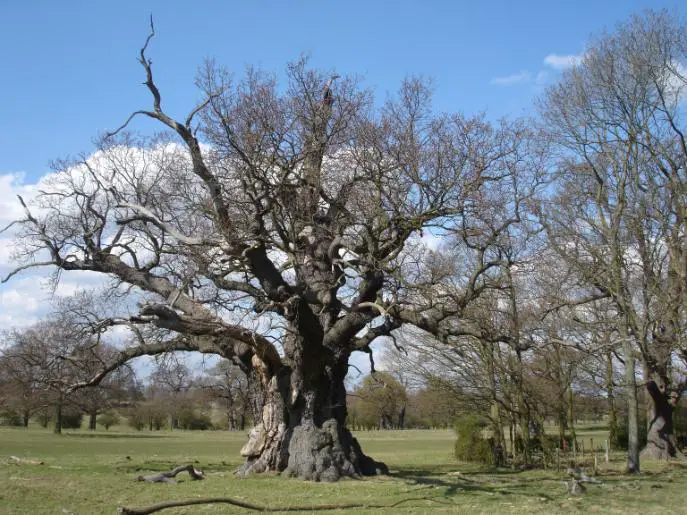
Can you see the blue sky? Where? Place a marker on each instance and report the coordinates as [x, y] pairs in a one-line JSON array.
[[71, 71]]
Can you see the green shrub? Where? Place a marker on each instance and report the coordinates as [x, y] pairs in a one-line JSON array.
[[71, 418], [191, 419], [108, 419], [10, 417], [470, 445], [136, 418]]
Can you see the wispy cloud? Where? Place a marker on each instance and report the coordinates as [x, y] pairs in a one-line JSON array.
[[512, 79], [562, 62]]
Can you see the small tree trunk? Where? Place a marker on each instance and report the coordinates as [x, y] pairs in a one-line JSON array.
[[571, 418], [58, 418], [632, 411], [25, 418], [612, 411], [562, 423], [92, 420], [661, 442]]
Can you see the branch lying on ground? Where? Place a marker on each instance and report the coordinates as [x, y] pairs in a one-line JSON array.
[[257, 507], [168, 477], [21, 461]]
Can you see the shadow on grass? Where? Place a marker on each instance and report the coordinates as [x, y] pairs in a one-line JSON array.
[[457, 484], [113, 435]]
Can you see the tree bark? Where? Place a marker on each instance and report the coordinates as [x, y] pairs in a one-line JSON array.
[[661, 442], [612, 411], [58, 418], [632, 411], [571, 417], [302, 431]]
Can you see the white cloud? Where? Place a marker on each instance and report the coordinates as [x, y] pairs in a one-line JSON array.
[[562, 62], [432, 241], [27, 297], [512, 79], [676, 82], [542, 77]]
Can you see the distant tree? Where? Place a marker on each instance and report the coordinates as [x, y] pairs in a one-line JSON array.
[[39, 351], [618, 215], [21, 388], [382, 400], [108, 419], [171, 380], [229, 386]]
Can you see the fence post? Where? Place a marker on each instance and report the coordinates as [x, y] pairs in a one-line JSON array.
[[608, 445]]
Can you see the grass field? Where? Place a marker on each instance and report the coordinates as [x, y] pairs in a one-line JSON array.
[[87, 473]]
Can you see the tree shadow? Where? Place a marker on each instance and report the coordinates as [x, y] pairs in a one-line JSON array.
[[113, 435], [456, 484]]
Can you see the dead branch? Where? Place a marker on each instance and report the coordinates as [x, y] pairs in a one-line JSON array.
[[256, 507], [15, 460], [168, 477]]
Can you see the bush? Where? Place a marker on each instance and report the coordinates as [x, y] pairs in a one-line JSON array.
[[190, 419], [71, 419], [10, 417], [108, 419], [136, 418], [470, 445]]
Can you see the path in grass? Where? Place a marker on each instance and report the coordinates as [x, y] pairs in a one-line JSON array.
[[93, 473]]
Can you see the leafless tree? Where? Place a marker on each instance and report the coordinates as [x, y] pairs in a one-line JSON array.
[[280, 228], [618, 216], [226, 384], [37, 355]]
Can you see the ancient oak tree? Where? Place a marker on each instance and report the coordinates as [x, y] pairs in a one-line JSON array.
[[281, 228]]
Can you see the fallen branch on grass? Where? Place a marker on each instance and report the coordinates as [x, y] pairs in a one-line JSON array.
[[168, 477], [257, 507], [15, 460]]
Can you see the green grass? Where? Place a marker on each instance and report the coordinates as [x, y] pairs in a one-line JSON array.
[[93, 473]]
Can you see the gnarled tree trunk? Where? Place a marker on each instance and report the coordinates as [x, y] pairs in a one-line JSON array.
[[302, 432], [661, 442]]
